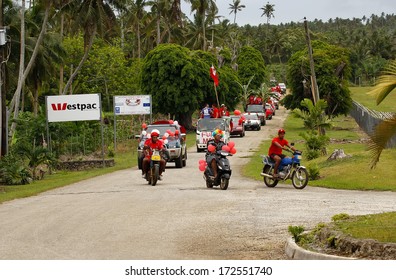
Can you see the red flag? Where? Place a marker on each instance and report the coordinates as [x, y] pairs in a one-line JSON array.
[[214, 75]]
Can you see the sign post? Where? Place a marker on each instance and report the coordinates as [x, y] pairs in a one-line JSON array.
[[77, 107], [131, 105]]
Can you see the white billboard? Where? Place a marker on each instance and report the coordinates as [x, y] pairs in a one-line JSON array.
[[77, 107], [132, 105]]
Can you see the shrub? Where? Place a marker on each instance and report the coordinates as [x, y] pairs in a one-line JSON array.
[[14, 172], [296, 232], [314, 143], [313, 172]]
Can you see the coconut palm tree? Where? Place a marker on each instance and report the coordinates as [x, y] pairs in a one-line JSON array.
[[236, 7], [387, 128], [268, 11], [93, 17], [202, 7]]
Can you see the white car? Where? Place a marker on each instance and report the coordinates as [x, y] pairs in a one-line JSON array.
[[205, 127], [252, 121]]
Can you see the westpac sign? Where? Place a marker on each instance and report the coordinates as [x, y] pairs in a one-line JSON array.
[[78, 107]]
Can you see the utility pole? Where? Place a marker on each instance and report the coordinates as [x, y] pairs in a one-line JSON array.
[[3, 109], [314, 87]]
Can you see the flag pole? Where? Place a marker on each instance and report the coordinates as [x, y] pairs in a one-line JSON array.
[[217, 97]]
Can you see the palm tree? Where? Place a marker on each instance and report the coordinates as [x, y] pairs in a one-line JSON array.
[[94, 17], [246, 91], [23, 72], [387, 128], [235, 7], [202, 7], [314, 117], [268, 11]]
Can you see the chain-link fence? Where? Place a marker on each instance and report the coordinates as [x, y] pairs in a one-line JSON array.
[[368, 119]]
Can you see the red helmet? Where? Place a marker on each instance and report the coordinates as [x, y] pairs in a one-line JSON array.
[[281, 131], [155, 132]]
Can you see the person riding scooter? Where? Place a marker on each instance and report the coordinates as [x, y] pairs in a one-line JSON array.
[[151, 144], [275, 150], [211, 156]]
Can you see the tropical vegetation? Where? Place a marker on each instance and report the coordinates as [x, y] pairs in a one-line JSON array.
[[133, 47]]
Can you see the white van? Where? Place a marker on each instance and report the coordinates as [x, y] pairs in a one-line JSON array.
[[205, 127]]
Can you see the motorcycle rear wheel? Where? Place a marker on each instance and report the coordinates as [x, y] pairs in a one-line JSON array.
[[269, 182], [154, 174], [300, 178], [224, 183]]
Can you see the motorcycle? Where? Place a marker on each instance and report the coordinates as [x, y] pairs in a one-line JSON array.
[[152, 175], [289, 168], [223, 173]]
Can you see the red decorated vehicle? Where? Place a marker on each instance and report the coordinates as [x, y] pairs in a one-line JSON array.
[[175, 136], [237, 126]]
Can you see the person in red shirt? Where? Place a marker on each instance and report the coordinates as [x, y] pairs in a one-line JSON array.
[[275, 150], [149, 145], [215, 111]]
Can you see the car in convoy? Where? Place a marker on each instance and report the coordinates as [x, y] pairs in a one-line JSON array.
[[205, 127], [269, 111], [252, 121], [176, 148], [282, 87], [259, 110], [237, 126]]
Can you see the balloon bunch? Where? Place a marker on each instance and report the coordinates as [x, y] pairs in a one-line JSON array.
[[202, 165], [230, 148]]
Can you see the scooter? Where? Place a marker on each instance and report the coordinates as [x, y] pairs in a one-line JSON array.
[[223, 173], [289, 168]]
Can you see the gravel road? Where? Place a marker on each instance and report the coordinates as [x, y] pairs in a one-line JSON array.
[[118, 216]]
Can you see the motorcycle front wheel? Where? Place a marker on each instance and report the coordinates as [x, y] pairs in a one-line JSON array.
[[154, 174], [269, 182], [224, 183], [300, 178]]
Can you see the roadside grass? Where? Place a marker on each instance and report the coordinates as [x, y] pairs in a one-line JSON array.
[[125, 157], [380, 227], [360, 95], [351, 173]]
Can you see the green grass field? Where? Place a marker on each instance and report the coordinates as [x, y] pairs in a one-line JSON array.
[[360, 94]]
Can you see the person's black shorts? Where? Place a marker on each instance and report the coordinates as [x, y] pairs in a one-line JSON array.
[[281, 156]]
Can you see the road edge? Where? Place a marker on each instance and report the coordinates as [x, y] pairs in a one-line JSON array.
[[295, 252]]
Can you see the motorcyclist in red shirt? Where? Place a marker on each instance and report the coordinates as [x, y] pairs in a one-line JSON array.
[[275, 150], [149, 145]]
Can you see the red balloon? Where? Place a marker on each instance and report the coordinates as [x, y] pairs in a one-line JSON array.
[[144, 125], [169, 131], [176, 132], [201, 161], [233, 151], [237, 112], [171, 121], [225, 148], [163, 137], [202, 167], [211, 148], [231, 144]]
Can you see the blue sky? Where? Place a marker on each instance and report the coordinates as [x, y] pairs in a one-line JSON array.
[[296, 10]]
